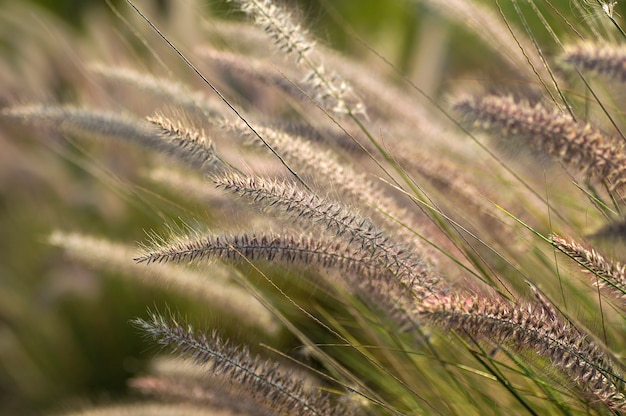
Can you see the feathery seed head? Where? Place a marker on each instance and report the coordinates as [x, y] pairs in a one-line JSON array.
[[187, 143], [525, 327], [328, 89], [612, 275], [553, 132], [279, 24], [261, 380], [605, 60]]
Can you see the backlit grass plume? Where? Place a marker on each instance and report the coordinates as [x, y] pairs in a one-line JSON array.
[[553, 132], [259, 382], [531, 328], [604, 60]]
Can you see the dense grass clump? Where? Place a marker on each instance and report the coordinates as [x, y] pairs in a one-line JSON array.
[[340, 237]]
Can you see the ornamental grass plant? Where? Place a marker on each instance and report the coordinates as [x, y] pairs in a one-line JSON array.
[[231, 217]]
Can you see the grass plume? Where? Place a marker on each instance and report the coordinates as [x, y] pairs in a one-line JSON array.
[[611, 274], [264, 384], [551, 131], [526, 327]]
